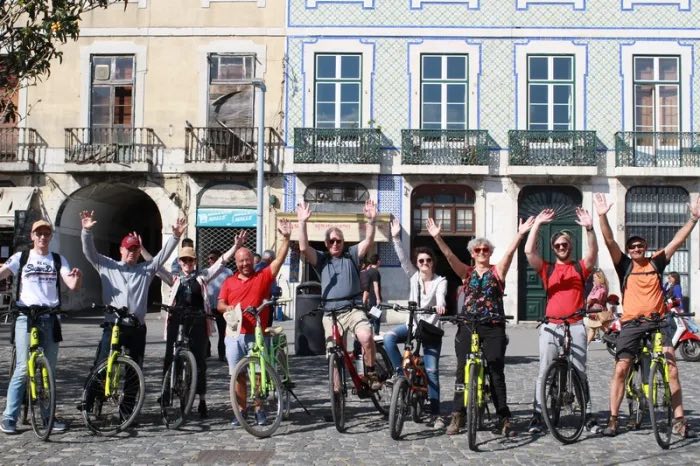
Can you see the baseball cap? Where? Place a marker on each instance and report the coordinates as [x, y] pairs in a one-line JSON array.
[[41, 224], [130, 240], [187, 252]]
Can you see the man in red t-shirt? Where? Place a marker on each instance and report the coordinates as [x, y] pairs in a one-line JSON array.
[[564, 281], [247, 288]]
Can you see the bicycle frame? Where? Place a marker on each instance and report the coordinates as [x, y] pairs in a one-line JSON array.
[[474, 358], [112, 379], [259, 351], [658, 356], [339, 348]]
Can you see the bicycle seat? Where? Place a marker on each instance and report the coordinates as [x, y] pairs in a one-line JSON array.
[[274, 331]]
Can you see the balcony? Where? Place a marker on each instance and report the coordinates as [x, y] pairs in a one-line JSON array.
[[657, 153], [110, 149], [337, 150], [552, 153], [444, 151], [18, 149], [210, 149]]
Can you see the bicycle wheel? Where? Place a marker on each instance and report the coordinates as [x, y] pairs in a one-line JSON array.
[[660, 410], [384, 369], [261, 413], [563, 402], [472, 406], [282, 366], [399, 406], [108, 414], [417, 407], [336, 388], [635, 397], [177, 392], [42, 407]]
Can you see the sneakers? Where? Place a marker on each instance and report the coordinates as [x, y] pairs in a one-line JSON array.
[[235, 423], [373, 381], [261, 417], [8, 426], [611, 429], [682, 429], [456, 423], [58, 426], [504, 427], [592, 424], [437, 422], [202, 409], [535, 426]]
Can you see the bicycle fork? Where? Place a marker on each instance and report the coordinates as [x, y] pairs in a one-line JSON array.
[[473, 360], [34, 351], [112, 379]]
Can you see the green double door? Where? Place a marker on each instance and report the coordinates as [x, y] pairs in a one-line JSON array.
[[564, 200]]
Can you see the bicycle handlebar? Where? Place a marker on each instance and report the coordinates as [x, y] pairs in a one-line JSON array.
[[475, 318], [34, 310], [412, 306], [122, 312], [577, 313], [257, 310]]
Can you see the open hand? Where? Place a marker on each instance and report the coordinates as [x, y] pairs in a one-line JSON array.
[[87, 219]]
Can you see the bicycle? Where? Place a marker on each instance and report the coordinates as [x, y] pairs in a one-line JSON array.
[[410, 390], [115, 389], [264, 388], [477, 392], [564, 392], [340, 364], [180, 378], [41, 389]]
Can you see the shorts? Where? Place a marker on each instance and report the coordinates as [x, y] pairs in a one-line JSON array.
[[629, 341], [349, 320], [237, 348]]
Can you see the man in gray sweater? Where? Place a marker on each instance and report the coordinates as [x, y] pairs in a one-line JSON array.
[[125, 282]]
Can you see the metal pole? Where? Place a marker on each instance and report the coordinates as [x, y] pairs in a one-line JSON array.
[[260, 107]]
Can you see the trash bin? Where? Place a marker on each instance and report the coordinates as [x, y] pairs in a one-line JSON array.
[[308, 329]]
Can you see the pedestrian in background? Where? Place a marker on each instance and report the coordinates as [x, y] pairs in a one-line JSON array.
[[597, 301]]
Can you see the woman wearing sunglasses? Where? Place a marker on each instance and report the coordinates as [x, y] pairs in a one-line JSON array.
[[483, 288], [427, 289]]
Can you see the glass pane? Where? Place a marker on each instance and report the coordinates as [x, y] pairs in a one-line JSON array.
[[427, 125], [325, 92], [444, 217], [350, 92], [668, 98], [644, 68], [562, 114], [432, 67], [537, 127], [349, 113], [538, 114], [124, 68], [455, 113], [668, 69], [99, 115], [562, 68], [456, 68], [350, 67], [456, 93], [100, 95], [562, 94], [457, 125], [644, 107], [325, 66], [325, 112], [417, 224], [464, 219], [101, 60], [432, 93], [538, 68], [538, 93], [668, 95], [233, 68], [432, 113], [349, 124]]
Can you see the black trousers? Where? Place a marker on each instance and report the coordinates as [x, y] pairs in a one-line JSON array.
[[221, 330], [196, 330], [493, 338]]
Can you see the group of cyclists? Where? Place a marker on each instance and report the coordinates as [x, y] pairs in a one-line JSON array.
[[125, 283]]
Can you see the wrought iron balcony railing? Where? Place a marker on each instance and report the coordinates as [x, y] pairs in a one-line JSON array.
[[657, 149], [229, 145], [552, 148], [18, 144], [337, 145], [444, 147], [110, 145]]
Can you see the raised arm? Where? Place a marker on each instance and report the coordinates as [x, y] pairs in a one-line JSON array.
[[366, 244], [406, 264], [73, 279], [602, 207], [162, 273], [160, 258], [533, 257], [682, 234], [303, 214], [97, 260], [504, 264], [459, 267], [284, 229], [586, 221]]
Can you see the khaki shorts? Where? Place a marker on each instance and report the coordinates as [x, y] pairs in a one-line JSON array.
[[349, 320]]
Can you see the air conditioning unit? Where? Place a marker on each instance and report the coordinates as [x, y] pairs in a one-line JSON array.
[[101, 72]]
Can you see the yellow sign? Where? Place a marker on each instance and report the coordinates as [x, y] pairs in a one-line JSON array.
[[352, 226]]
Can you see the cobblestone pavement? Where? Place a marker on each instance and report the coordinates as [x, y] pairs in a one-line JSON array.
[[311, 440]]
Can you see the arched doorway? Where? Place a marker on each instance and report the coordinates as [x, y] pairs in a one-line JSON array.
[[119, 208], [453, 207], [564, 200]]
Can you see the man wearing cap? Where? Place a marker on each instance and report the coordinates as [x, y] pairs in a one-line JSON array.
[[564, 281], [642, 295], [37, 272], [125, 282]]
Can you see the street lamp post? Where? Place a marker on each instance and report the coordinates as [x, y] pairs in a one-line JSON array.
[[260, 90]]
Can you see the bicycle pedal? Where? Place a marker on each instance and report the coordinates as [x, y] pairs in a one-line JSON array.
[[459, 387]]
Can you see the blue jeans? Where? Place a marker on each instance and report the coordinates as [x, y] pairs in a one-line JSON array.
[[431, 360], [15, 391]]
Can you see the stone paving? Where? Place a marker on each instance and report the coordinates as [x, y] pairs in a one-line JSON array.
[[308, 439]]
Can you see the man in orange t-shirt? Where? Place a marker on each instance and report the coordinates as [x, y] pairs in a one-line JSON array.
[[642, 295]]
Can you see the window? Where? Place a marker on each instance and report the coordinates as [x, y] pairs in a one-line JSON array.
[[656, 94], [550, 92], [444, 91], [231, 94], [338, 90], [452, 206], [345, 197], [111, 98]]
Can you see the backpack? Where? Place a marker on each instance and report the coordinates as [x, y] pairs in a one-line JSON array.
[[628, 272]]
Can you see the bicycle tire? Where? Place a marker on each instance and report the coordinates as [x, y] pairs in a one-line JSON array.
[[382, 365], [660, 410], [271, 399], [418, 408], [472, 406], [690, 350], [185, 365], [337, 398], [563, 402], [635, 397], [400, 394], [282, 361], [109, 415], [43, 408]]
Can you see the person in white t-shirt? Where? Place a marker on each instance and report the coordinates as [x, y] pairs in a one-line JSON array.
[[38, 287]]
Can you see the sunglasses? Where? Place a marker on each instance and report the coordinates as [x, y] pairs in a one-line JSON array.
[[187, 260], [45, 234], [425, 261], [335, 241], [482, 250], [561, 246], [637, 246]]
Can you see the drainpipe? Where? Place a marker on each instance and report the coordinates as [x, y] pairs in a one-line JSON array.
[[260, 90]]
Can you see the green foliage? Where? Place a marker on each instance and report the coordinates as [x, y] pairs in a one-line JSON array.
[[31, 32]]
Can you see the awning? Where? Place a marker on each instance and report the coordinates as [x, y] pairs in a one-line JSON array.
[[11, 199], [215, 217], [352, 226]]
